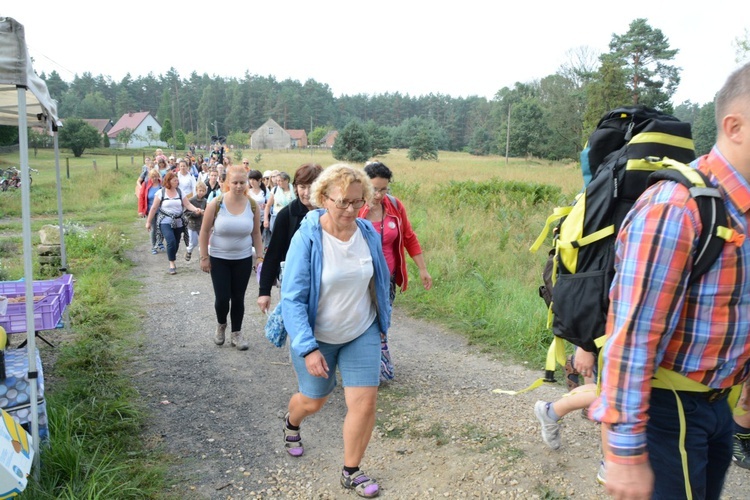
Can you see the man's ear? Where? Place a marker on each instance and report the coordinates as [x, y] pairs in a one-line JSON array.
[[735, 127]]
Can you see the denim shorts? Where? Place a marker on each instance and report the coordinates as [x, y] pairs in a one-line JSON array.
[[358, 362]]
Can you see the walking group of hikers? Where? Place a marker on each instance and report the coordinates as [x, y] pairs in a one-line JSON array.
[[334, 240], [649, 277]]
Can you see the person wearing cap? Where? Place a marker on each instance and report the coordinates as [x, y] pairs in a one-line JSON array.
[[172, 163], [266, 180]]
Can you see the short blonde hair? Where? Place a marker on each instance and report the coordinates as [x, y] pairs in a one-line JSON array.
[[340, 175]]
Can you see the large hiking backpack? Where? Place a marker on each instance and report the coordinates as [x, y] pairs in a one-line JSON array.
[[580, 268]]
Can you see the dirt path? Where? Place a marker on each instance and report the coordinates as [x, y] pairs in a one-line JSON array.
[[441, 432]]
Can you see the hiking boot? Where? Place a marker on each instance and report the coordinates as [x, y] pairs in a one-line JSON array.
[[187, 256], [550, 428], [154, 251], [601, 474], [220, 334], [360, 483], [237, 341], [741, 450], [292, 440]]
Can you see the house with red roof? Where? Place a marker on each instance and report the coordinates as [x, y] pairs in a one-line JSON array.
[[328, 139], [102, 125], [145, 129], [299, 138]]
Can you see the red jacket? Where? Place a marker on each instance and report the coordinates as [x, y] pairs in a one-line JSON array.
[[407, 238], [143, 198]]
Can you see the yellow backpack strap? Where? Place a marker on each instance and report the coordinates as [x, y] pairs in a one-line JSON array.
[[557, 214], [253, 204], [555, 356], [669, 379], [555, 353], [219, 198], [589, 239]]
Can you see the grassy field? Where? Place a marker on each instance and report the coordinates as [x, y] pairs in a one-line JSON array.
[[475, 217]]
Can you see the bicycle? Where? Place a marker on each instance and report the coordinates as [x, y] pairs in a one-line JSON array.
[[11, 178]]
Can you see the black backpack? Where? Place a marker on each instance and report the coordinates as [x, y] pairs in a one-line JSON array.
[[648, 146]]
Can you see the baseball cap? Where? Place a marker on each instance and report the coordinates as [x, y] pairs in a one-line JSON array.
[[171, 157], [267, 173]]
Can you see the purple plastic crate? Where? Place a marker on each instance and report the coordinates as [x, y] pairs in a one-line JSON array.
[[47, 311], [67, 281], [42, 287]]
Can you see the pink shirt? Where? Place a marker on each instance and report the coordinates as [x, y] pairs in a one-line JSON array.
[[388, 229]]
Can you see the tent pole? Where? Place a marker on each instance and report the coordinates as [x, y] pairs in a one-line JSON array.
[[23, 149], [63, 253]]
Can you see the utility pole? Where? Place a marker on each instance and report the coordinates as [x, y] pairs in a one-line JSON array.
[[507, 137], [174, 139]]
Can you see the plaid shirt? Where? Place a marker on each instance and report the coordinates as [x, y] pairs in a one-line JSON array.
[[702, 332]]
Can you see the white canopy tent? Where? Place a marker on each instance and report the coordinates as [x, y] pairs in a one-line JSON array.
[[25, 102]]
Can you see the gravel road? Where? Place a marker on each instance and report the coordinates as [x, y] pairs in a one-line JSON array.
[[440, 433]]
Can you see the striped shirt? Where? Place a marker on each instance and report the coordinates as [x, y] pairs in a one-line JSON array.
[[702, 332]]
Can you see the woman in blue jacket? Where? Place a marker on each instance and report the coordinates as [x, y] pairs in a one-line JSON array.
[[335, 305]]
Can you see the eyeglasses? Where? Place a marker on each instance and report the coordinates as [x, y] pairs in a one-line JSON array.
[[245, 163], [344, 204], [384, 190]]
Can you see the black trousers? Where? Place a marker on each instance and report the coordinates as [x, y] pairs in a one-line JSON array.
[[230, 279]]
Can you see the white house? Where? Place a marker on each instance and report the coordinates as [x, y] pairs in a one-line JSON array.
[[143, 125]]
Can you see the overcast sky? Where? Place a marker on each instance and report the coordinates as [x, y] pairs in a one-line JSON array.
[[415, 47]]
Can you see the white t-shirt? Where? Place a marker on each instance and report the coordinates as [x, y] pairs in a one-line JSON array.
[[345, 308], [170, 206], [186, 183], [260, 199]]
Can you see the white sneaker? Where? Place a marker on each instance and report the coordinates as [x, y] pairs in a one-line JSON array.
[[601, 475], [550, 428]]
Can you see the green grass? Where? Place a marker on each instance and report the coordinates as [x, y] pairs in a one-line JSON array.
[[94, 412], [95, 415], [475, 217]]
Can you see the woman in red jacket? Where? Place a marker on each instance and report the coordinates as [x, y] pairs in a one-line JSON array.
[[388, 216], [146, 199]]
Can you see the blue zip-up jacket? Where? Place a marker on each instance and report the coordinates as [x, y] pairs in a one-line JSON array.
[[300, 288]]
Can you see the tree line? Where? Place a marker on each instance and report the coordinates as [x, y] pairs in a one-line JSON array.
[[546, 118]]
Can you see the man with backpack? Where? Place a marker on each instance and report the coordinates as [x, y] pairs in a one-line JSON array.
[[674, 351]]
